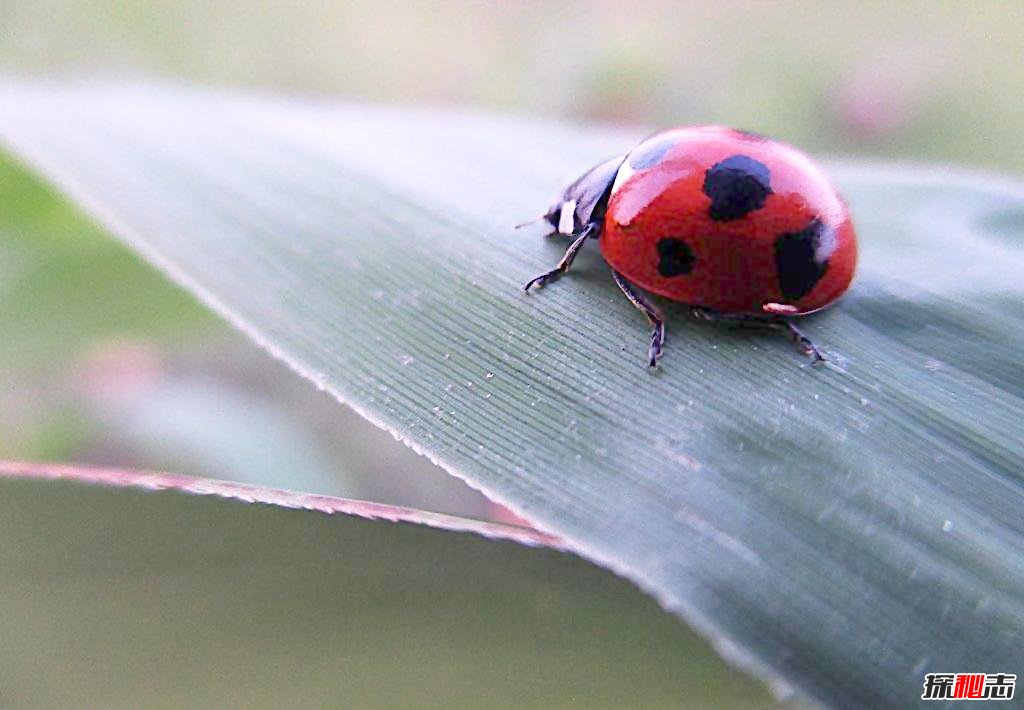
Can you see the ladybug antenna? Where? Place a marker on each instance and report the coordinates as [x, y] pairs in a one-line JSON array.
[[528, 222]]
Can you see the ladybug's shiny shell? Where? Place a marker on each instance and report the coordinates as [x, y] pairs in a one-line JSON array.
[[729, 221]]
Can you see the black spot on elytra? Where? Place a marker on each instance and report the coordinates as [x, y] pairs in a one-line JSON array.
[[802, 258], [675, 257], [737, 186], [649, 153]]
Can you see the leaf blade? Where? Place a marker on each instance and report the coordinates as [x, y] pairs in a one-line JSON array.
[[247, 493]]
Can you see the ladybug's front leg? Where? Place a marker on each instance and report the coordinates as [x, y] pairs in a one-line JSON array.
[[654, 316], [565, 263]]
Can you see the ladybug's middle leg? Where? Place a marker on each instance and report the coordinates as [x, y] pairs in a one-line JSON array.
[[565, 263], [796, 335], [654, 316]]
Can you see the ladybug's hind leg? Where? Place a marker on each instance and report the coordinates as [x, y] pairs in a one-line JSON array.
[[565, 263], [654, 316], [805, 344]]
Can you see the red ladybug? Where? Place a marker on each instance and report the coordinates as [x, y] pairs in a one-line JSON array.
[[738, 226]]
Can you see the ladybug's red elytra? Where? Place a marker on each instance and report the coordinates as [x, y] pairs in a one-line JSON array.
[[737, 226]]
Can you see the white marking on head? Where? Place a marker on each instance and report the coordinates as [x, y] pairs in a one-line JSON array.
[[567, 218], [624, 173]]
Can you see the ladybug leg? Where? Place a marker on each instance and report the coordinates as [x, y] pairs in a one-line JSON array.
[[796, 335], [654, 316], [707, 314], [805, 343], [565, 263]]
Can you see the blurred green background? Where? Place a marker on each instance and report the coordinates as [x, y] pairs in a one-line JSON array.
[[935, 79], [102, 360]]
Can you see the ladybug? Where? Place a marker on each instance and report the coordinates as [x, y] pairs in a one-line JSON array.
[[737, 226]]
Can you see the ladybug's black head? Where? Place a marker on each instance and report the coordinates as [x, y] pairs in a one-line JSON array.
[[553, 215], [583, 203]]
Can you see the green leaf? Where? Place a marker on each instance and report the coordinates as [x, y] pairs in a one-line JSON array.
[[843, 530], [139, 598]]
